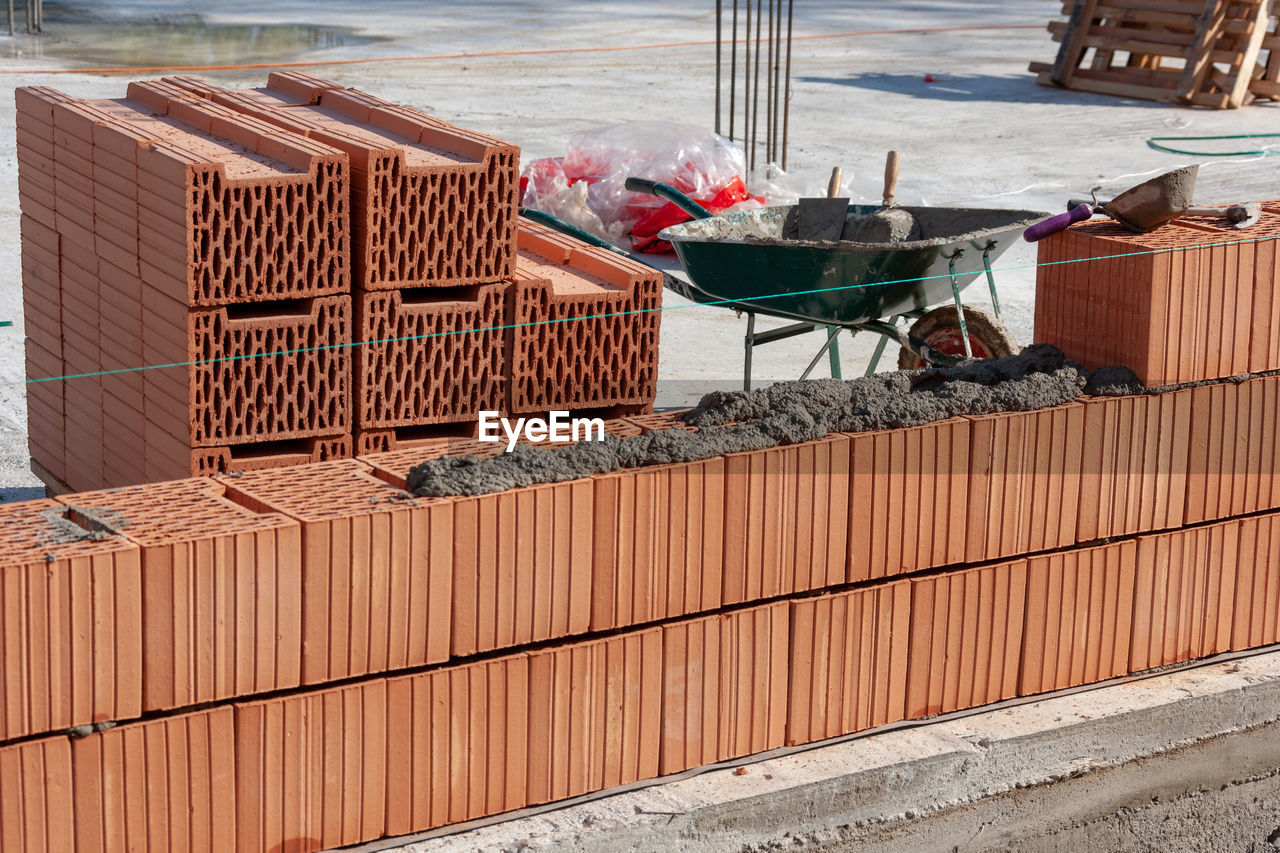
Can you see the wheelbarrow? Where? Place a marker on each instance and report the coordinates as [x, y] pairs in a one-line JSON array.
[[741, 261]]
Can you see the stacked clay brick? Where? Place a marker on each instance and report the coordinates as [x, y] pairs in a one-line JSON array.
[[1191, 300], [309, 657], [461, 308], [298, 267], [179, 235]]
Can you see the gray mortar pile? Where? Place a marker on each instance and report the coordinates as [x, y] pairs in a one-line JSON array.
[[782, 414]]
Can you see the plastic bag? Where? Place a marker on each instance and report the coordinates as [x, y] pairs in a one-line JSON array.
[[699, 163]]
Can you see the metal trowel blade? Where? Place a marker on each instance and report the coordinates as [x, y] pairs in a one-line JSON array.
[[821, 220]]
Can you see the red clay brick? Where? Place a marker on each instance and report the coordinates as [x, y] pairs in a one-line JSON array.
[[36, 809], [966, 638], [450, 718], [432, 204], [657, 543], [376, 572], [278, 371], [219, 189], [1184, 578], [724, 686], [1079, 613], [585, 326], [594, 715], [161, 785], [311, 769], [71, 636], [272, 454], [221, 614], [1164, 305], [432, 355], [848, 664]]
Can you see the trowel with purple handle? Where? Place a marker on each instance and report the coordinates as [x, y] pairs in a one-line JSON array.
[[1061, 222]]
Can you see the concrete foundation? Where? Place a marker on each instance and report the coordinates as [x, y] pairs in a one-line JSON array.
[[1186, 760]]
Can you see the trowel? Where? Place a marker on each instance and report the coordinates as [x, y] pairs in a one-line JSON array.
[[1237, 215], [1140, 209]]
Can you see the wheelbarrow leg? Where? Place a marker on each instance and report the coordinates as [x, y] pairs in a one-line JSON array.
[[835, 330], [833, 352], [750, 344], [991, 280], [879, 351], [955, 293]]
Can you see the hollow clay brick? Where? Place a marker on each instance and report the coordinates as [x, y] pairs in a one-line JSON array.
[[394, 466], [585, 326], [415, 444], [848, 664], [166, 784], [71, 635], [221, 611], [1078, 617], [282, 372], [282, 454], [42, 313], [1161, 303], [1256, 609], [724, 686], [594, 714], [966, 638], [311, 769], [36, 809], [1185, 580], [376, 571], [433, 355], [474, 718], [657, 543], [224, 213], [432, 204]]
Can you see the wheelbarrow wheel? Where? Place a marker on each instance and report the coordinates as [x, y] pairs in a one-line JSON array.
[[940, 330]]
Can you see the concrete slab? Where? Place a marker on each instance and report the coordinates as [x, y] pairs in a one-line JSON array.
[[1187, 759]]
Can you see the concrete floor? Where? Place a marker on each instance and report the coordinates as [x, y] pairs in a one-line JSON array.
[[982, 133]]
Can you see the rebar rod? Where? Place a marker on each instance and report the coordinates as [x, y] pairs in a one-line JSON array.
[[746, 86], [786, 97], [733, 69], [719, 35], [755, 86], [769, 87]]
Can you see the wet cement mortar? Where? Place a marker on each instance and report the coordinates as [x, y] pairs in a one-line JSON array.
[[902, 228], [789, 413]]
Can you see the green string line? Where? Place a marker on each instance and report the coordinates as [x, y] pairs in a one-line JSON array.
[[1155, 140], [762, 297]]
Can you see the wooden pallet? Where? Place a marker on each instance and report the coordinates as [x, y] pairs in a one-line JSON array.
[[1266, 76], [1201, 52]]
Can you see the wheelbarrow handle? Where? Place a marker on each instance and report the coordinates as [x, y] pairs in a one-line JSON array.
[[558, 224], [671, 194], [1054, 224]]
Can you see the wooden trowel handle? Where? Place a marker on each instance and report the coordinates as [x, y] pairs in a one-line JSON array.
[[833, 185], [890, 177]]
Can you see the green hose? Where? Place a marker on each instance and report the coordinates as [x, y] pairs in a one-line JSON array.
[[1155, 140]]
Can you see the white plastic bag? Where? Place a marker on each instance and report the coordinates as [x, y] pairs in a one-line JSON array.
[[598, 162]]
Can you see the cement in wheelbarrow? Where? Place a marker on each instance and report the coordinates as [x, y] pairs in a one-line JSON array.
[[743, 257]]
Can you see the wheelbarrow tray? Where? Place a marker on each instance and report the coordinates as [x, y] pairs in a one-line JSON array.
[[742, 258]]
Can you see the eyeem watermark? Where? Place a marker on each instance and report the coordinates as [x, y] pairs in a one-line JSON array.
[[558, 428]]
